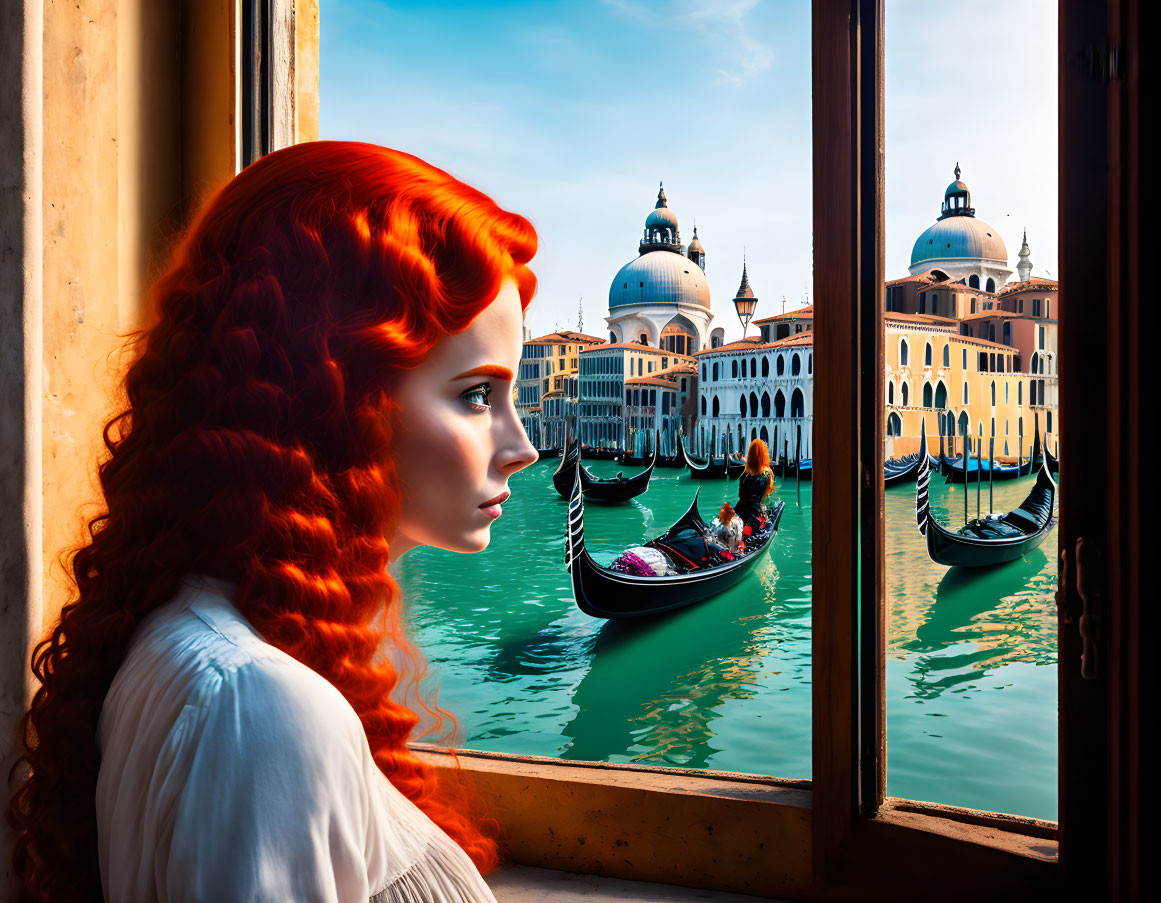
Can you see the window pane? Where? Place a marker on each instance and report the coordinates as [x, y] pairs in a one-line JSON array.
[[971, 218], [615, 128]]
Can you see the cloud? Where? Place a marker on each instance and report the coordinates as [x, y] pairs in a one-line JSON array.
[[737, 56]]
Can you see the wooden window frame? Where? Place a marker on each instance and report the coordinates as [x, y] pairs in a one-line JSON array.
[[839, 833]]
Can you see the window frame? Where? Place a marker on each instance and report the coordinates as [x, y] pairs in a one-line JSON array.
[[839, 830]]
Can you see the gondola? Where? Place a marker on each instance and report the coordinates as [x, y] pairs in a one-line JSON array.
[[598, 453], [981, 470], [713, 470], [897, 471], [677, 459], [991, 540], [604, 593], [598, 489], [544, 453]]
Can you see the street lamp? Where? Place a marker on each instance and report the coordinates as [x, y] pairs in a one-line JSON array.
[[745, 300]]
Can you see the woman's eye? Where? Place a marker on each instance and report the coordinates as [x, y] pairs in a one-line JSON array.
[[478, 396]]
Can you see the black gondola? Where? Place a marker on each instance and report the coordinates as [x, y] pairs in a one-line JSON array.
[[598, 489], [900, 470], [604, 593], [991, 540], [712, 469], [543, 453]]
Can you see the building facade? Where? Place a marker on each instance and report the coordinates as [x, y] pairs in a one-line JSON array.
[[548, 369]]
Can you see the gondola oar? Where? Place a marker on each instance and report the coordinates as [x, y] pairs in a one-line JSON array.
[[991, 468], [798, 464], [979, 474], [1020, 449], [967, 443]]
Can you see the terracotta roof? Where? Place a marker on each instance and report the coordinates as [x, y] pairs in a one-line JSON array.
[[565, 337], [927, 319], [651, 380], [799, 338], [972, 340], [802, 313], [681, 369], [1035, 284], [739, 345], [985, 314], [918, 277]]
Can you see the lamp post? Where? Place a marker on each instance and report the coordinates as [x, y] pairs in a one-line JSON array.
[[745, 300], [745, 308]]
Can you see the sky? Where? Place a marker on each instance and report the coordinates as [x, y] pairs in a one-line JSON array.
[[572, 113]]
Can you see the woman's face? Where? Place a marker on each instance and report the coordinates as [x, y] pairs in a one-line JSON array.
[[460, 437]]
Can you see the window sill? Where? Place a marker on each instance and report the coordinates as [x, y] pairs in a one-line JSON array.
[[745, 834]]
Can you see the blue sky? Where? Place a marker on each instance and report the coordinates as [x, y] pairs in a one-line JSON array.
[[570, 113]]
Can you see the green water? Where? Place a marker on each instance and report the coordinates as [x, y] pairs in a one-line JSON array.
[[727, 684]]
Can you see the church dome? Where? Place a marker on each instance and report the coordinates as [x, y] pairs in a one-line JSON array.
[[659, 277], [661, 218], [959, 237]]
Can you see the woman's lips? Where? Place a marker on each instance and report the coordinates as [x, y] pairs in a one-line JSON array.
[[492, 506]]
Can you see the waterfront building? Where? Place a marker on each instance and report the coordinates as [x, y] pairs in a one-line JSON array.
[[663, 403], [549, 364], [759, 388], [604, 371]]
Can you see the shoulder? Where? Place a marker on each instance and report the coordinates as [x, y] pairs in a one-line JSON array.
[[197, 663]]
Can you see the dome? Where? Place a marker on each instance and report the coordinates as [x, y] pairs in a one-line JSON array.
[[661, 218], [659, 277], [959, 237]]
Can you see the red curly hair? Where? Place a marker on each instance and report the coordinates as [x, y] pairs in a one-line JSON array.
[[254, 445]]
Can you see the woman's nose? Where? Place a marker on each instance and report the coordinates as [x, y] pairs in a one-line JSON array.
[[515, 449]]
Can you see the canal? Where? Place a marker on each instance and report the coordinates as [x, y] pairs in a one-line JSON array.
[[726, 685]]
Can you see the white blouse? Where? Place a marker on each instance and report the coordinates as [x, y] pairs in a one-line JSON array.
[[231, 771]]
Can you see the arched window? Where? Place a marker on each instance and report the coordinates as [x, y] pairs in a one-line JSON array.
[[974, 281], [947, 355], [904, 353], [765, 404], [810, 362], [1036, 363], [903, 393], [890, 393], [742, 406], [753, 366], [763, 433], [797, 404], [927, 396], [765, 366], [715, 371], [781, 364], [734, 368], [703, 372], [965, 393], [779, 404], [991, 285], [963, 423], [927, 355], [795, 364], [894, 424], [703, 406], [993, 393], [941, 395], [1007, 333], [753, 405], [717, 408]]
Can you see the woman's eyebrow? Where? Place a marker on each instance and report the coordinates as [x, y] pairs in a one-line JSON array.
[[486, 370]]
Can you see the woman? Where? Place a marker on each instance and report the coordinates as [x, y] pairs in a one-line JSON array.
[[327, 384], [755, 484]]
